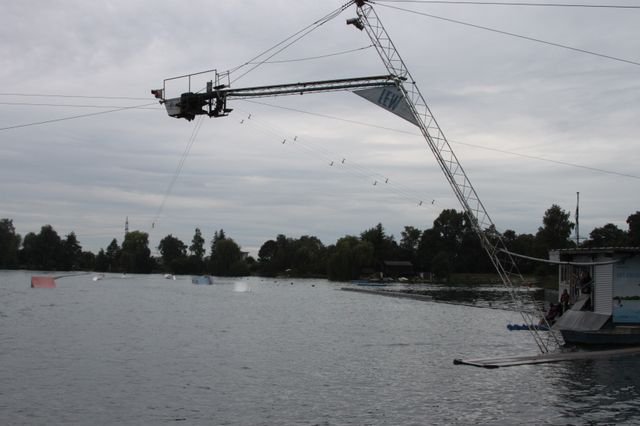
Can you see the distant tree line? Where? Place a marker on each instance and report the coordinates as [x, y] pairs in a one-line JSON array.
[[449, 246]]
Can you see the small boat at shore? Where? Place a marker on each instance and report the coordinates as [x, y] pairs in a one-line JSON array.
[[202, 280], [602, 286]]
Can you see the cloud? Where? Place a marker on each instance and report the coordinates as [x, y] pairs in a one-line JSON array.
[[87, 175]]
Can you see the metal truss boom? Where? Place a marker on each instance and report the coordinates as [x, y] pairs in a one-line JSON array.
[[475, 211], [214, 99]]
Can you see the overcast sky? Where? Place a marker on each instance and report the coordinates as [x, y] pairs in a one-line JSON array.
[[531, 123]]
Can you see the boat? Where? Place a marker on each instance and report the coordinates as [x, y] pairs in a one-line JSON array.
[[202, 280], [43, 282], [603, 288]]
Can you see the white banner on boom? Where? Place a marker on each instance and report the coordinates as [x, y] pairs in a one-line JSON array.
[[391, 99]]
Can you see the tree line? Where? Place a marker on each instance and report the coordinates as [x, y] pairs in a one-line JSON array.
[[449, 246]]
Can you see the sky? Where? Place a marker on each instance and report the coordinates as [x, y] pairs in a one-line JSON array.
[[84, 146]]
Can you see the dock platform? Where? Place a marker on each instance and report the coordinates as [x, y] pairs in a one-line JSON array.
[[511, 361], [389, 293]]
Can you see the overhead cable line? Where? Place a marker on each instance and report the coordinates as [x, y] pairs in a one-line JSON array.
[[346, 164], [287, 43], [41, 95], [70, 105], [533, 157], [563, 163], [310, 58], [55, 120], [178, 171], [527, 4], [494, 30]]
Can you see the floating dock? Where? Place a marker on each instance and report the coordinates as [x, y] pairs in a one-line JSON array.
[[422, 297], [511, 361], [389, 293]]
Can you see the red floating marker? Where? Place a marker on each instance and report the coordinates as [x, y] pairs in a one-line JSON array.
[[43, 282]]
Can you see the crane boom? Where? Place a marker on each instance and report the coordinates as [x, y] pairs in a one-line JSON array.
[[475, 211], [214, 99]]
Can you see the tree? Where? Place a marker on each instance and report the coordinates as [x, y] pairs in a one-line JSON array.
[[524, 244], [71, 252], [135, 255], [607, 236], [172, 250], [9, 244], [227, 260], [410, 238], [384, 246], [102, 261], [267, 251], [113, 256], [441, 266], [308, 257], [555, 232], [348, 257], [409, 244], [197, 245], [276, 256], [443, 240], [634, 229], [217, 236], [87, 261], [42, 251], [471, 257], [266, 258]]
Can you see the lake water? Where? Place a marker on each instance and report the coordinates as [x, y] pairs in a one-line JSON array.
[[144, 350]]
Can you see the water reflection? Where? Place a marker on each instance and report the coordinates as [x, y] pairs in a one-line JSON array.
[[148, 350], [485, 296], [599, 391]]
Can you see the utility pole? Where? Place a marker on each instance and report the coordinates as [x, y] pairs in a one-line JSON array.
[[578, 219]]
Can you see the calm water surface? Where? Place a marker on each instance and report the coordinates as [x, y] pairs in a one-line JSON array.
[[146, 350]]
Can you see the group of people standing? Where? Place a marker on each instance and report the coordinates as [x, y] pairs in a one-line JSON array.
[[580, 284]]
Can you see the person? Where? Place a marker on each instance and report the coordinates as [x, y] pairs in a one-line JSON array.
[[564, 301], [585, 283], [553, 312]]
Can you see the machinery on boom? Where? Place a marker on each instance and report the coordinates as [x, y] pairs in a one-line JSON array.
[[213, 101]]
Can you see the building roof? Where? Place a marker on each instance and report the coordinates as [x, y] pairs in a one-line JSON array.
[[598, 250]]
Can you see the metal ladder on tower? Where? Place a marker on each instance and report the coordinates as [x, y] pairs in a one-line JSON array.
[[492, 242]]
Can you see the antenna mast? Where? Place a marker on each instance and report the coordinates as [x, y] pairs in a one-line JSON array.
[[577, 219]]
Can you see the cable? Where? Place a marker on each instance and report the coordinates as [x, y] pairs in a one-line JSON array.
[[314, 57], [70, 105], [55, 120], [564, 163], [296, 37], [176, 173], [533, 157], [332, 159], [558, 262], [489, 3], [537, 40], [41, 95]]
